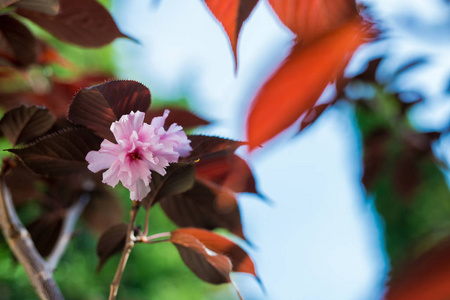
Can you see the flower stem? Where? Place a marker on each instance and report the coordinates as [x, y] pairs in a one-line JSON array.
[[129, 244]]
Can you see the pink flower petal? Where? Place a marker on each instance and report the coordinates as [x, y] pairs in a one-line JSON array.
[[123, 128], [141, 148], [99, 161], [139, 191]]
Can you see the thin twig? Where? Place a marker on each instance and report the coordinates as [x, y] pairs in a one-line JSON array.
[[129, 244], [21, 244], [147, 216], [72, 216], [155, 238]]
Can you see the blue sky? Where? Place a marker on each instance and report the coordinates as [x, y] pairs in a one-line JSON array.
[[320, 239]]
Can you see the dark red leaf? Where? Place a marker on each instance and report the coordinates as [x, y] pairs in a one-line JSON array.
[[83, 22], [18, 46], [210, 267], [57, 98], [182, 117], [298, 83], [210, 146], [240, 260], [229, 171], [23, 184], [111, 242], [424, 278], [45, 231], [312, 115], [6, 3], [232, 15], [199, 208], [48, 7], [375, 154], [310, 19], [103, 210], [369, 73], [23, 124], [178, 179], [59, 154], [99, 106], [407, 175]]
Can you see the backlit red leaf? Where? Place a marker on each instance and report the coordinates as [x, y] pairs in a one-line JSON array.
[[231, 14], [240, 260], [298, 83], [83, 22], [210, 267], [310, 19], [229, 171]]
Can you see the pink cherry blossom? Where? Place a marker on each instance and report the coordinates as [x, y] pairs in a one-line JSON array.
[[141, 148]]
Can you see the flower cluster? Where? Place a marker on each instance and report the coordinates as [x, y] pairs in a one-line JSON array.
[[141, 148]]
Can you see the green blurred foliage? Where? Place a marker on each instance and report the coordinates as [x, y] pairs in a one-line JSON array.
[[403, 176], [153, 271]]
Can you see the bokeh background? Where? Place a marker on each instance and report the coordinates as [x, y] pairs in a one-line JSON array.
[[316, 233]]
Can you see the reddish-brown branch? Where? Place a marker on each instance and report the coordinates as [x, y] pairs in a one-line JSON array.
[[129, 244], [20, 243]]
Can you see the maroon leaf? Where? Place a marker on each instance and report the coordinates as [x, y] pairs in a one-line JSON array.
[[18, 46], [182, 117], [424, 278], [375, 154], [23, 184], [199, 208], [98, 106], [178, 179], [57, 98], [83, 22], [312, 115], [103, 210], [59, 154], [210, 267], [45, 231], [210, 146], [23, 124], [48, 7], [111, 242], [6, 3], [239, 258], [369, 73], [229, 171]]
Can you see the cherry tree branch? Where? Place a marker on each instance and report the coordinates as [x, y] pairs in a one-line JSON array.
[[21, 244], [129, 244], [70, 221]]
